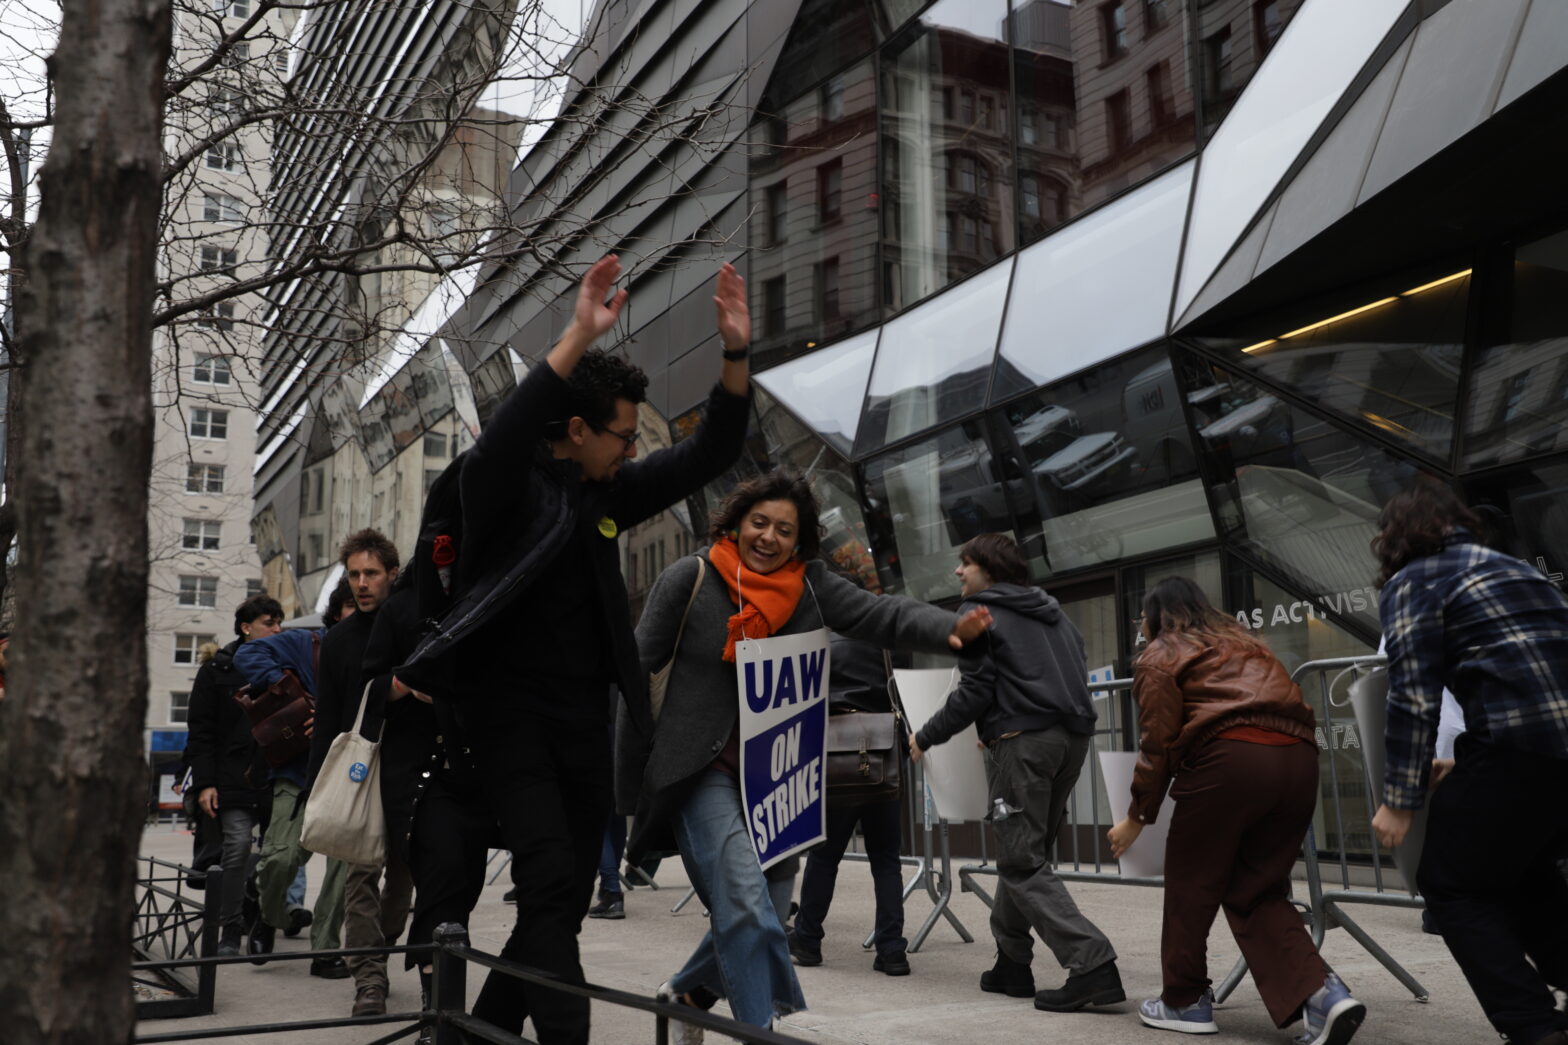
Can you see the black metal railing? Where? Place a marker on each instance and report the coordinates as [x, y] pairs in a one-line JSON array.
[[169, 929], [445, 1014]]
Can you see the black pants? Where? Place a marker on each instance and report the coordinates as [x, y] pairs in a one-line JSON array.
[[452, 829], [549, 790], [1490, 878], [879, 825]]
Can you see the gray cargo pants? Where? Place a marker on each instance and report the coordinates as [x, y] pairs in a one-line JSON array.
[[1033, 773]]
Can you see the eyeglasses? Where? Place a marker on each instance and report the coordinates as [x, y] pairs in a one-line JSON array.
[[629, 440]]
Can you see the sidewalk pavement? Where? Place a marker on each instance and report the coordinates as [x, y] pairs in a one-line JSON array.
[[848, 1002]]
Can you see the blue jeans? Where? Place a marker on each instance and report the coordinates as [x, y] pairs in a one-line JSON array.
[[610, 855], [296, 894], [744, 956]]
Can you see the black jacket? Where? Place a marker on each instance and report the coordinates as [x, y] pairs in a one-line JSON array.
[[520, 507], [220, 749], [414, 741], [1028, 672], [338, 687]]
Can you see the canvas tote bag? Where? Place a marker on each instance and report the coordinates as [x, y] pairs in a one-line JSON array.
[[343, 816]]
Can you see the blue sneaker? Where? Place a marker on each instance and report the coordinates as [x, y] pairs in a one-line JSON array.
[[1331, 1016], [1197, 1018]]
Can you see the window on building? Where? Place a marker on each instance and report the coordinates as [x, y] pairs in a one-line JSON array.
[[188, 646], [948, 108], [1156, 15], [318, 551], [218, 317], [225, 101], [961, 174], [231, 8], [435, 444], [224, 156], [987, 112], [1029, 196], [1028, 133], [1157, 80], [828, 305], [207, 423], [1113, 29], [220, 259], [204, 478], [1267, 22], [254, 585], [201, 535], [198, 591], [777, 213], [211, 369], [968, 234], [773, 318], [1052, 131], [179, 705], [280, 62], [966, 107], [237, 54], [1219, 71], [830, 188], [1118, 119], [830, 98], [217, 206]]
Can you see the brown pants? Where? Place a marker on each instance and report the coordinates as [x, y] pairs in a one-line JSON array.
[[373, 916], [1242, 810]]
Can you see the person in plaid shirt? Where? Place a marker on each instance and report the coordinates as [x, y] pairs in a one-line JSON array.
[[1493, 630]]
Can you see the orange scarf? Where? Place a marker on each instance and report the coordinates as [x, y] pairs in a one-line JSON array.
[[767, 600]]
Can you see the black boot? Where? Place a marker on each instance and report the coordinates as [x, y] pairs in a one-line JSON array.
[[1101, 985], [230, 938], [1008, 977]]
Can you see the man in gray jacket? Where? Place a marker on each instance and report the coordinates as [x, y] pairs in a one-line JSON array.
[[1025, 687]]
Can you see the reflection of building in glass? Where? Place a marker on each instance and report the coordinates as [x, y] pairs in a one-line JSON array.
[[1095, 275]]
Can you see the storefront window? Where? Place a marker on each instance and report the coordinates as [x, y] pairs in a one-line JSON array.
[[1106, 466], [924, 501], [1532, 514], [1518, 396], [1388, 357], [828, 388], [947, 182], [1299, 492]]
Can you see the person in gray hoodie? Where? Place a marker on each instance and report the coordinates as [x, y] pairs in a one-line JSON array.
[[1024, 685]]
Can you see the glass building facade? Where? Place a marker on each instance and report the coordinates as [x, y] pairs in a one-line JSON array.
[[1155, 286]]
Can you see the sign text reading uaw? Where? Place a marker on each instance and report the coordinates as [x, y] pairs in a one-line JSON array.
[[783, 731]]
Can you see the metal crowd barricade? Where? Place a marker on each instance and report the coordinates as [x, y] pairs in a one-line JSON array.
[[446, 1015], [170, 924]]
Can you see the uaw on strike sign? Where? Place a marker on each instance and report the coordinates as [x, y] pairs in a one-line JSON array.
[[783, 734]]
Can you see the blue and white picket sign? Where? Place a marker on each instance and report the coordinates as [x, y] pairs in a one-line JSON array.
[[783, 741]]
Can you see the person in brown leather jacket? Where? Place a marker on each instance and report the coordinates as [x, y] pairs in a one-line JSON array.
[[1220, 715]]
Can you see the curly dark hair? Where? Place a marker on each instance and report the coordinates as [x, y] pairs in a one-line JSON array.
[[261, 605], [1415, 523], [999, 556], [599, 379], [373, 541], [777, 485]]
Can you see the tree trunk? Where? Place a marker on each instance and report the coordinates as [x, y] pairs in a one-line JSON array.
[[71, 722]]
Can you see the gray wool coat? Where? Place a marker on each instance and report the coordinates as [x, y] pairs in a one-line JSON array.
[[701, 704]]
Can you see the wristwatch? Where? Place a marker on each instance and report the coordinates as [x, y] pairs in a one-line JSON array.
[[736, 355]]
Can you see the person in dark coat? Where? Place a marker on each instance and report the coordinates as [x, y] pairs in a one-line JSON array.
[[228, 774], [857, 682], [373, 911], [539, 625]]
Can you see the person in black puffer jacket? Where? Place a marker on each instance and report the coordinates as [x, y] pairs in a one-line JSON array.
[[228, 772]]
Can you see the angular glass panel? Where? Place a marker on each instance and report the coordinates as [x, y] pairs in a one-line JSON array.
[[1446, 88], [1539, 52], [1104, 465], [924, 501], [827, 389], [1388, 358], [934, 362], [814, 218], [1065, 315], [946, 196], [1104, 101], [1298, 492], [1517, 404], [429, 384], [1232, 39], [1307, 71], [845, 541], [826, 36]]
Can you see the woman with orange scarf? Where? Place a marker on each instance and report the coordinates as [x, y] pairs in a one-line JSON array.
[[760, 577]]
